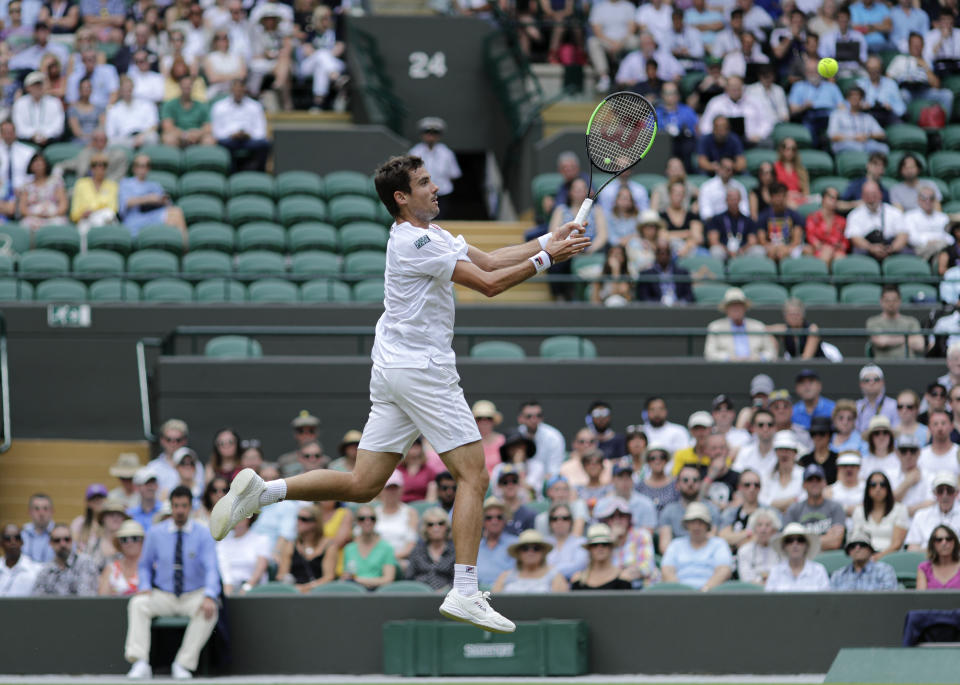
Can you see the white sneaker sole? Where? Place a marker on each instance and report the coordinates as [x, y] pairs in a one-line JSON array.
[[220, 523], [467, 619]]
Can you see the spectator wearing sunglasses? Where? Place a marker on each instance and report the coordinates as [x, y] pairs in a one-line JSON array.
[[304, 427], [908, 408], [783, 486], [942, 453], [492, 558], [431, 561], [191, 476], [532, 575], [911, 485], [174, 434], [874, 401], [864, 573], [798, 572], [756, 557], [698, 559], [568, 555], [941, 570], [658, 484], [671, 518], [584, 443], [242, 557], [601, 573], [347, 449], [312, 559], [944, 512], [509, 488], [369, 559], [642, 509], [70, 573], [633, 549], [818, 514], [821, 431], [759, 454], [18, 572], [446, 491], [881, 517], [734, 522], [611, 443], [845, 437], [120, 577], [551, 447]]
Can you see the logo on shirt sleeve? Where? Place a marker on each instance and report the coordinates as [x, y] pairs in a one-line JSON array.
[[420, 242]]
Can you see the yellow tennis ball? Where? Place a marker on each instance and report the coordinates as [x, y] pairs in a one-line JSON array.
[[828, 67]]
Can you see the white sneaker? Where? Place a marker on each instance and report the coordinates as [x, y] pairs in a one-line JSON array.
[[140, 669], [242, 501], [179, 672], [603, 84], [476, 610]]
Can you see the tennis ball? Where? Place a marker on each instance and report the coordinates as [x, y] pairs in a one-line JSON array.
[[828, 67], [607, 160]]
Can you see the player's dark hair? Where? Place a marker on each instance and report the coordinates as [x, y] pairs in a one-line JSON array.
[[394, 175]]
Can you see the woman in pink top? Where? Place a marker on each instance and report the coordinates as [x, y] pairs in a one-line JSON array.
[[942, 571], [488, 418], [417, 475]]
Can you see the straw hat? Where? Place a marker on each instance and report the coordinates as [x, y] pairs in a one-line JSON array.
[[599, 534], [130, 529], [485, 409], [793, 529], [698, 511], [733, 295], [112, 506], [877, 424], [528, 537], [125, 466], [649, 217]]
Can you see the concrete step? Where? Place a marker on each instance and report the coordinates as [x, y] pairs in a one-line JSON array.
[[568, 114]]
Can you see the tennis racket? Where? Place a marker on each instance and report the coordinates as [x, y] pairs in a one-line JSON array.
[[619, 134]]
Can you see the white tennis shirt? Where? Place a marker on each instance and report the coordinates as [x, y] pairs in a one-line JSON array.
[[417, 323]]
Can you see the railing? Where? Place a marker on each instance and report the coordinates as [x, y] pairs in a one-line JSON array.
[[5, 387]]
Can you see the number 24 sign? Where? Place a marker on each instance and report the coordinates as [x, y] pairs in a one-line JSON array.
[[423, 65]]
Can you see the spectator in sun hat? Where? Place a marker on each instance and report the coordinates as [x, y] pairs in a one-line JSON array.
[[874, 401], [700, 423], [798, 572], [439, 160], [670, 524], [111, 516], [532, 575], [880, 454], [347, 450], [518, 450], [848, 490], [173, 434], [305, 426], [821, 430], [728, 339], [488, 418], [818, 514], [863, 573], [784, 484], [944, 512], [642, 509], [601, 573], [633, 547], [123, 469], [697, 559], [146, 481], [121, 575], [190, 471]]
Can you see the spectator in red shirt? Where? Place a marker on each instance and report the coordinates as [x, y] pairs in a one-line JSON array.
[[418, 476], [825, 229], [791, 173]]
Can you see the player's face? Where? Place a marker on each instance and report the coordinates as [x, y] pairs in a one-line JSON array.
[[421, 202]]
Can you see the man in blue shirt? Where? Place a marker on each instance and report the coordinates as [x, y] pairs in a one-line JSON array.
[[810, 404], [813, 99], [178, 576], [143, 202], [862, 573], [881, 94], [873, 19], [147, 484], [678, 120], [719, 144], [493, 558], [36, 533], [907, 19]]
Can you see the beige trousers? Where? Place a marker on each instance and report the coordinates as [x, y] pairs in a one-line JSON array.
[[143, 608]]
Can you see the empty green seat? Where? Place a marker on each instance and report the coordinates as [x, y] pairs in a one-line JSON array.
[[261, 235], [98, 263], [814, 293], [37, 264], [748, 182], [497, 349], [203, 183], [588, 267], [945, 190], [798, 132], [160, 237], [206, 158], [766, 293], [817, 162], [313, 263], [61, 152], [905, 565], [233, 347], [737, 586], [916, 106], [905, 266], [363, 235], [907, 137], [833, 560], [698, 179], [406, 587], [365, 262], [62, 289], [272, 290], [856, 268], [861, 293], [251, 183], [649, 181], [60, 237], [259, 263], [198, 208], [950, 137], [146, 264], [757, 156], [18, 235], [705, 266], [15, 289], [368, 290], [312, 235], [212, 235], [344, 587], [851, 163], [295, 209], [325, 290], [243, 210], [918, 292], [168, 181], [803, 268], [114, 290], [114, 237], [544, 185], [568, 347], [344, 209], [952, 207], [299, 183], [168, 290], [6, 265], [201, 264], [220, 290], [338, 183], [808, 208], [742, 269], [838, 183], [710, 292], [945, 164], [163, 157]]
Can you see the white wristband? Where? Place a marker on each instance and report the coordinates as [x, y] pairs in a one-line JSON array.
[[541, 261], [543, 240]]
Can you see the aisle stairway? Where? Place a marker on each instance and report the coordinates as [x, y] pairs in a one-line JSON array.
[[60, 468], [567, 114]]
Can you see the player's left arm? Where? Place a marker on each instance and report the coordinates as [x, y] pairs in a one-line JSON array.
[[515, 254]]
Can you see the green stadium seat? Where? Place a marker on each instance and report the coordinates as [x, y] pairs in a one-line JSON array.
[[766, 293], [833, 560], [299, 183], [61, 289], [197, 208], [346, 208], [325, 290], [710, 292], [544, 185], [212, 235], [905, 265], [383, 216], [160, 237], [339, 587], [694, 263], [168, 181], [743, 269], [950, 137], [689, 82], [233, 347], [861, 293], [649, 181], [905, 566], [851, 163], [838, 183], [203, 183], [338, 183], [856, 268], [147, 264], [807, 209], [737, 586], [252, 183], [918, 292], [814, 293], [15, 289], [61, 237], [749, 182], [219, 290], [261, 235], [798, 132], [757, 156], [803, 268], [567, 347], [588, 267], [407, 587], [98, 263], [243, 210], [817, 162], [363, 235], [915, 107], [273, 290], [6, 265], [171, 290], [313, 263], [61, 152], [497, 349], [114, 290], [952, 207], [114, 237], [907, 137], [945, 165], [669, 587], [698, 179], [273, 588], [38, 264], [163, 157], [942, 186], [203, 264], [893, 163], [295, 209], [206, 158], [312, 235], [365, 262], [19, 236], [368, 290], [259, 263]]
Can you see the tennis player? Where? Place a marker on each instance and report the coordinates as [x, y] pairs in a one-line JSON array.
[[414, 384]]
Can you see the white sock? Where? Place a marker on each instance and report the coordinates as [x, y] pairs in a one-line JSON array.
[[465, 579], [276, 491]]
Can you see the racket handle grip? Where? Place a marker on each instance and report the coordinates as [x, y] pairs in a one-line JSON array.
[[584, 210]]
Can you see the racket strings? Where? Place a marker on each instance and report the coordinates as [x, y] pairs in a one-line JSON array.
[[621, 131]]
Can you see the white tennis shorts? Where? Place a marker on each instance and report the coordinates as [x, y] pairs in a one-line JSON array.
[[408, 402]]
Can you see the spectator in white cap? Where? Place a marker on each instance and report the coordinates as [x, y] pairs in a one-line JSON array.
[[879, 454], [123, 469], [698, 559], [671, 518], [864, 573], [820, 516], [911, 484], [942, 454], [39, 118], [944, 512], [883, 518], [191, 476], [699, 424], [633, 546], [798, 572], [781, 406], [728, 339], [601, 572], [784, 485], [759, 454], [849, 489], [756, 557], [397, 522], [874, 401], [146, 481], [439, 160]]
